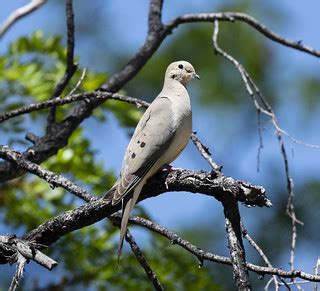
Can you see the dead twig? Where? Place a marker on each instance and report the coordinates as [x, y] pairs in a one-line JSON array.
[[143, 262], [19, 13]]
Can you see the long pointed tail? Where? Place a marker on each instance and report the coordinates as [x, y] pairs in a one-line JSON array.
[[124, 225], [125, 217]]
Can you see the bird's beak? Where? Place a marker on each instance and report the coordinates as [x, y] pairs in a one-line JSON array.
[[197, 76]]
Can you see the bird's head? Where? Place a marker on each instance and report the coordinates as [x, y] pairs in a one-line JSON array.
[[181, 71]]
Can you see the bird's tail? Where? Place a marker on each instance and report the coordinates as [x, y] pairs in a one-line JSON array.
[[125, 218]]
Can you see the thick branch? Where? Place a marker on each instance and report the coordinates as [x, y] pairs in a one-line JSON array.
[[196, 182], [216, 185]]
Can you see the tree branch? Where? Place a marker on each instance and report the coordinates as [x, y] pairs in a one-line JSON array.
[[19, 13], [219, 187], [262, 255], [254, 23], [205, 152], [71, 66], [235, 244], [54, 180], [203, 255], [143, 262], [11, 246], [211, 184], [97, 95], [21, 262]]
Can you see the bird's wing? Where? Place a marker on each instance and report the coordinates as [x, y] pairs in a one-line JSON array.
[[153, 135]]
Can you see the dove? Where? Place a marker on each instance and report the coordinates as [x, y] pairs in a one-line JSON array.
[[161, 134]]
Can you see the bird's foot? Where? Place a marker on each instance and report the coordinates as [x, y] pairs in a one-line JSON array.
[[169, 168]]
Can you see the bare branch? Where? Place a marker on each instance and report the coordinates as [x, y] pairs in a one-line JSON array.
[[194, 182], [235, 244], [71, 66], [155, 11], [233, 16], [21, 262], [19, 13], [265, 108], [205, 152], [202, 255], [96, 95], [156, 35], [218, 186], [11, 246], [143, 262], [53, 179], [262, 255]]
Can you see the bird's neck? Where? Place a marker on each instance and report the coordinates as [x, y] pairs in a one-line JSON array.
[[170, 83]]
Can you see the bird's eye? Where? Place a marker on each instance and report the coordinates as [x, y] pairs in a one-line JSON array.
[[180, 66]]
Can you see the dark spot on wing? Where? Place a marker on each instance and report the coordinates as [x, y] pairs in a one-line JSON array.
[[133, 155], [143, 144], [138, 141]]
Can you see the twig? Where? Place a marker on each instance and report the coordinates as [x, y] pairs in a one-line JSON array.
[[53, 179], [204, 151], [71, 66], [84, 71], [21, 262], [262, 254], [143, 262], [72, 98], [19, 13]]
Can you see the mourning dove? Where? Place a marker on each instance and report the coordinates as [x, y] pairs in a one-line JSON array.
[[161, 134]]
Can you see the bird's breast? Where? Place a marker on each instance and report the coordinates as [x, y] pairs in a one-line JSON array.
[[183, 128]]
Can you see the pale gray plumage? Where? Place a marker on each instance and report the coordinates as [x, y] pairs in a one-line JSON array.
[[161, 134]]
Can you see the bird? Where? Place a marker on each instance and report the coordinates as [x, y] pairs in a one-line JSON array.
[[161, 134]]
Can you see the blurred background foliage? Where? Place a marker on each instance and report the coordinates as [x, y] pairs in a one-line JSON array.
[[30, 67]]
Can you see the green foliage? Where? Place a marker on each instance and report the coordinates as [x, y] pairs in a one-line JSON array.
[[31, 69]]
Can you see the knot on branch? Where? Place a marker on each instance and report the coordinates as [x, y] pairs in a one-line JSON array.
[[13, 249]]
